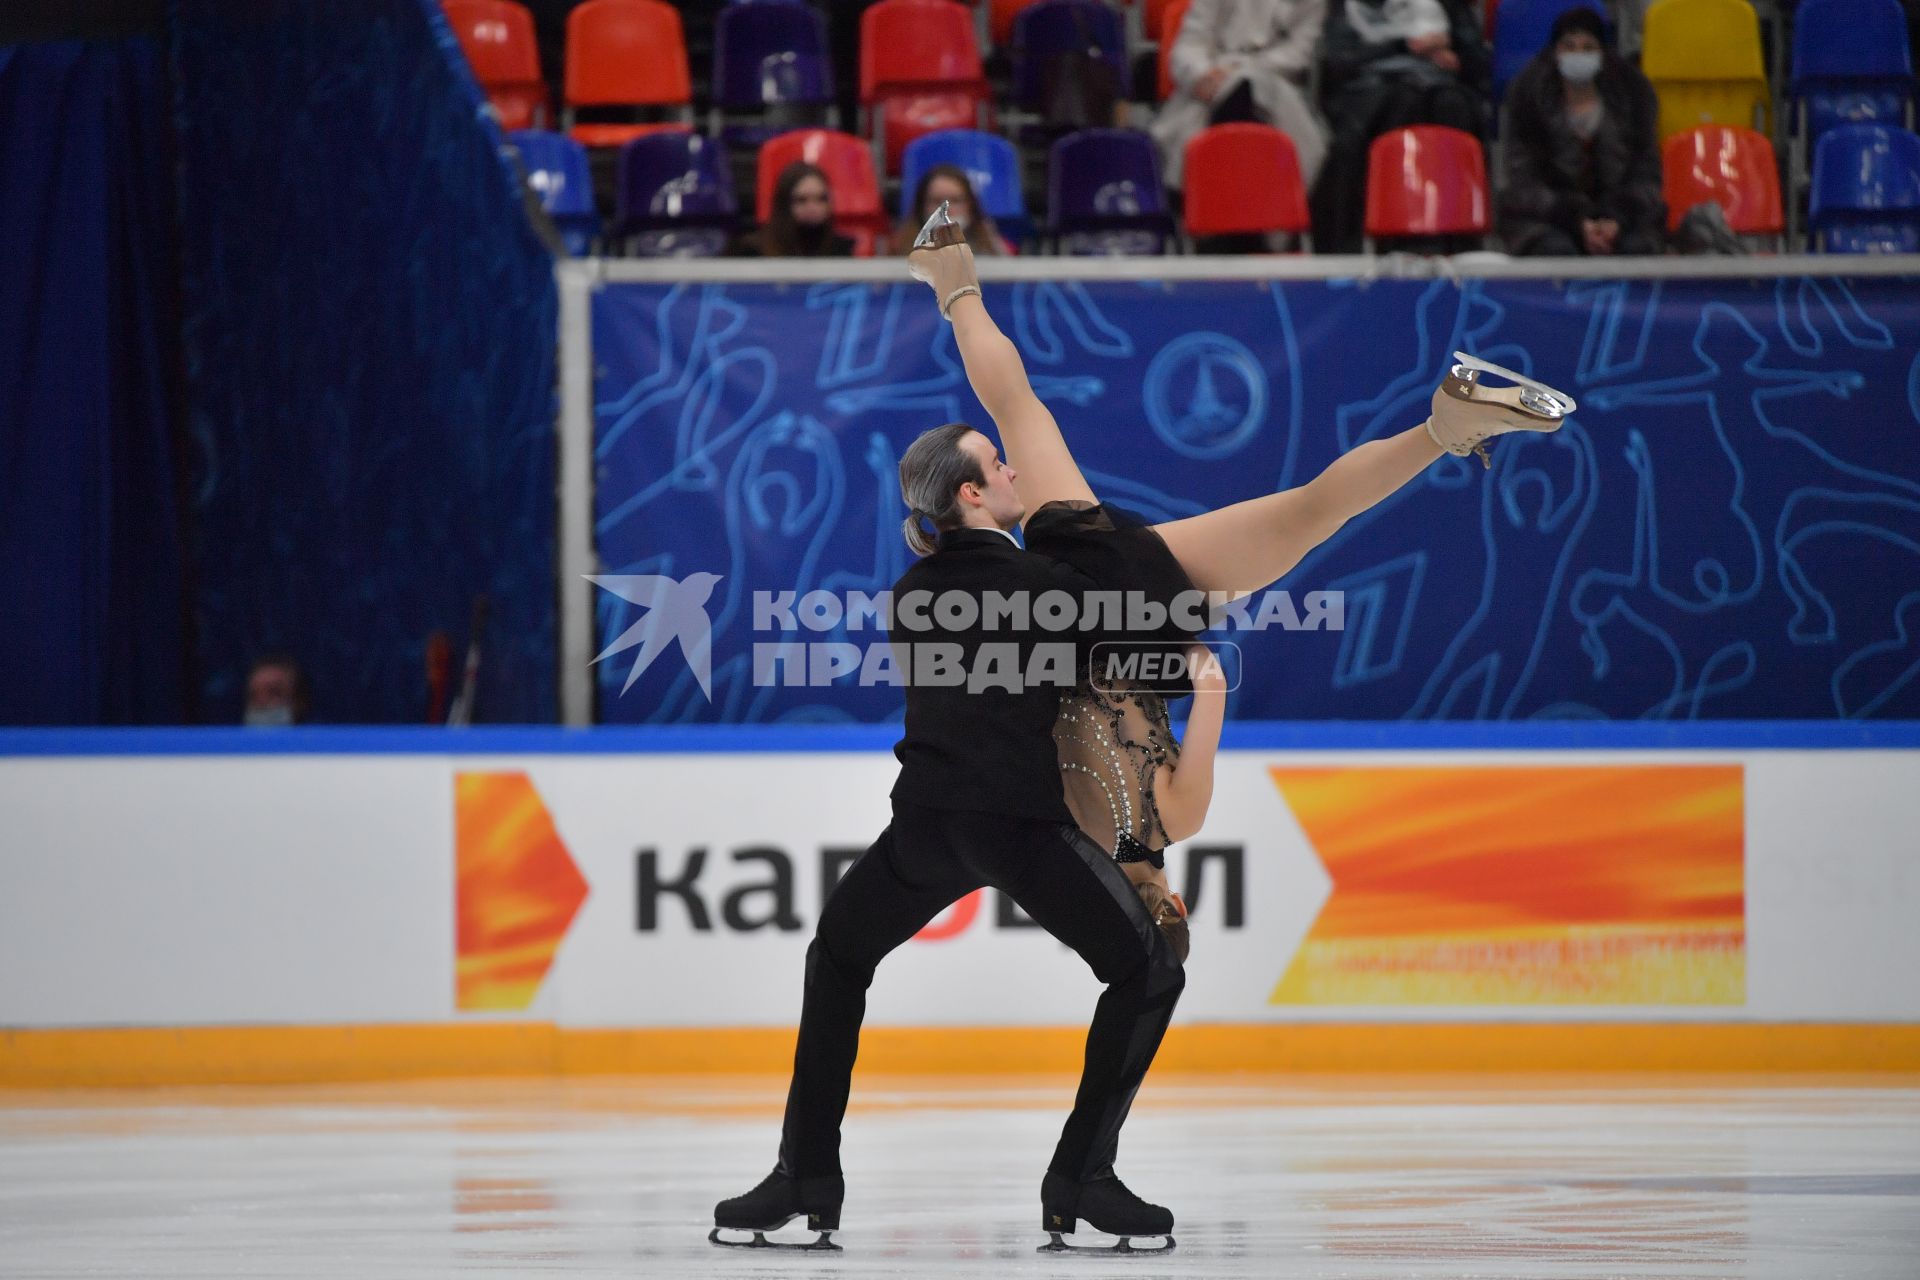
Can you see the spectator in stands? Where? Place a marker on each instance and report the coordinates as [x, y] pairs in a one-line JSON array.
[[1387, 64], [950, 183], [1582, 158], [277, 692], [1243, 60], [800, 222]]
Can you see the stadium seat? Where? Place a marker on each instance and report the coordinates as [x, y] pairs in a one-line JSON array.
[[1103, 194], [770, 62], [1427, 180], [1866, 190], [1174, 15], [848, 164], [1490, 20], [920, 73], [1154, 21], [497, 37], [1244, 179], [1852, 64], [989, 160], [556, 169], [674, 196], [1703, 57], [1524, 30], [1004, 13], [1050, 28], [1731, 165], [624, 53]]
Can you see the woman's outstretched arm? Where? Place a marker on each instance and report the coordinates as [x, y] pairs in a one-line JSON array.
[[1044, 469]]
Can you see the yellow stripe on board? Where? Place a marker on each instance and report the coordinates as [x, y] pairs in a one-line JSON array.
[[127, 1056]]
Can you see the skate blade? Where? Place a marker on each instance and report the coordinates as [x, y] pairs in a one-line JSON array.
[[1535, 397], [824, 1244], [1125, 1245], [930, 237]]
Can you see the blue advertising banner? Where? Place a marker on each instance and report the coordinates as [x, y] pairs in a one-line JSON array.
[[1728, 528]]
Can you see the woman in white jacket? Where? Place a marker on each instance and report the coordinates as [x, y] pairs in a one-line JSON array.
[[1243, 60]]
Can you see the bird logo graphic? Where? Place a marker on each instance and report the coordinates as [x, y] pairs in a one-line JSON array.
[[673, 610]]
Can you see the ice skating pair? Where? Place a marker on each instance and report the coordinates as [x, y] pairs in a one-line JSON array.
[[1103, 1202]]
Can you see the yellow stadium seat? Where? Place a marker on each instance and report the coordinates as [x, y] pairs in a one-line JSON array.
[[1703, 57]]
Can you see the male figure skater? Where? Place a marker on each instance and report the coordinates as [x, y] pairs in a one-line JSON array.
[[978, 802]]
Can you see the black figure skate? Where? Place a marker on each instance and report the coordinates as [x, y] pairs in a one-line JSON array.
[[778, 1200], [1108, 1207]]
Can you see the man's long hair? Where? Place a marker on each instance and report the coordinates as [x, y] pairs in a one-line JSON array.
[[931, 473]]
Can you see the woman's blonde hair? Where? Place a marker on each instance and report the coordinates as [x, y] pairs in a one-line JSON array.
[[931, 473]]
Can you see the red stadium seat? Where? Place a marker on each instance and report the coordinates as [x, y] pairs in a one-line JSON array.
[[624, 53], [920, 73], [497, 37], [1171, 17], [1726, 163], [1154, 20], [1244, 179], [848, 164], [1427, 180]]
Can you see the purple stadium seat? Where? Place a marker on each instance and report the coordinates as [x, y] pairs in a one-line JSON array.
[[1104, 195], [674, 196]]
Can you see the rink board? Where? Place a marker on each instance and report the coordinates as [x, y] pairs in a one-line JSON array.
[[538, 901]]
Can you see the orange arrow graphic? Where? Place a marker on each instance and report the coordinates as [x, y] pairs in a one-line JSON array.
[[517, 890], [1523, 885]]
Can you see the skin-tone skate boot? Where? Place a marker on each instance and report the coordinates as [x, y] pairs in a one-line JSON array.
[[1467, 413], [942, 258]]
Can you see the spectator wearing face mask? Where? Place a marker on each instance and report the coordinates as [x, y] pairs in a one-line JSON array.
[[1582, 164], [277, 693], [800, 219]]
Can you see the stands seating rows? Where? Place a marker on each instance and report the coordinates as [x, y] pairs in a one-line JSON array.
[[922, 79]]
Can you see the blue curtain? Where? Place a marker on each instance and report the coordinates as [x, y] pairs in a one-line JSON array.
[[90, 555], [370, 326]]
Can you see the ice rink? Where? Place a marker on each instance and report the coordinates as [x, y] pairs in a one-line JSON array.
[[1547, 1177]]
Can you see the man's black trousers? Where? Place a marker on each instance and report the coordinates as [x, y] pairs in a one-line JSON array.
[[921, 864]]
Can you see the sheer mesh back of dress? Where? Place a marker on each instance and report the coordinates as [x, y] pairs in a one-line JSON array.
[[1111, 744]]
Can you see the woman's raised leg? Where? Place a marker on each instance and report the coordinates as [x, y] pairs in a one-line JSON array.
[[1250, 545]]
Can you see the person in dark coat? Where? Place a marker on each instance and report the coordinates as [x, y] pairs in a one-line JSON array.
[[1387, 64], [1582, 163]]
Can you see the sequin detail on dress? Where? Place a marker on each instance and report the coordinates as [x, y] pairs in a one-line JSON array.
[[1112, 743]]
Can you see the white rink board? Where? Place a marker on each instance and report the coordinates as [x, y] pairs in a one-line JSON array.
[[300, 889]]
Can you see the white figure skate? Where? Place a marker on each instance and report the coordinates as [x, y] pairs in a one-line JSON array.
[[1467, 413]]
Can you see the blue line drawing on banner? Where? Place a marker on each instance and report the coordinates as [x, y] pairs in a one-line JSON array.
[[848, 329], [1795, 529], [1600, 351], [1545, 541], [1795, 300], [1385, 596], [1140, 498], [1205, 395], [939, 396], [1883, 688], [1293, 371], [889, 546], [1039, 308]]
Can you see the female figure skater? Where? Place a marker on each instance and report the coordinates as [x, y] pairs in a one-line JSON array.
[[1129, 784]]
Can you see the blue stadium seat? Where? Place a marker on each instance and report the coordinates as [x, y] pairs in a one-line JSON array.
[[1104, 195], [770, 61], [1866, 190], [1851, 65], [674, 196], [990, 160], [1522, 32], [556, 168]]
